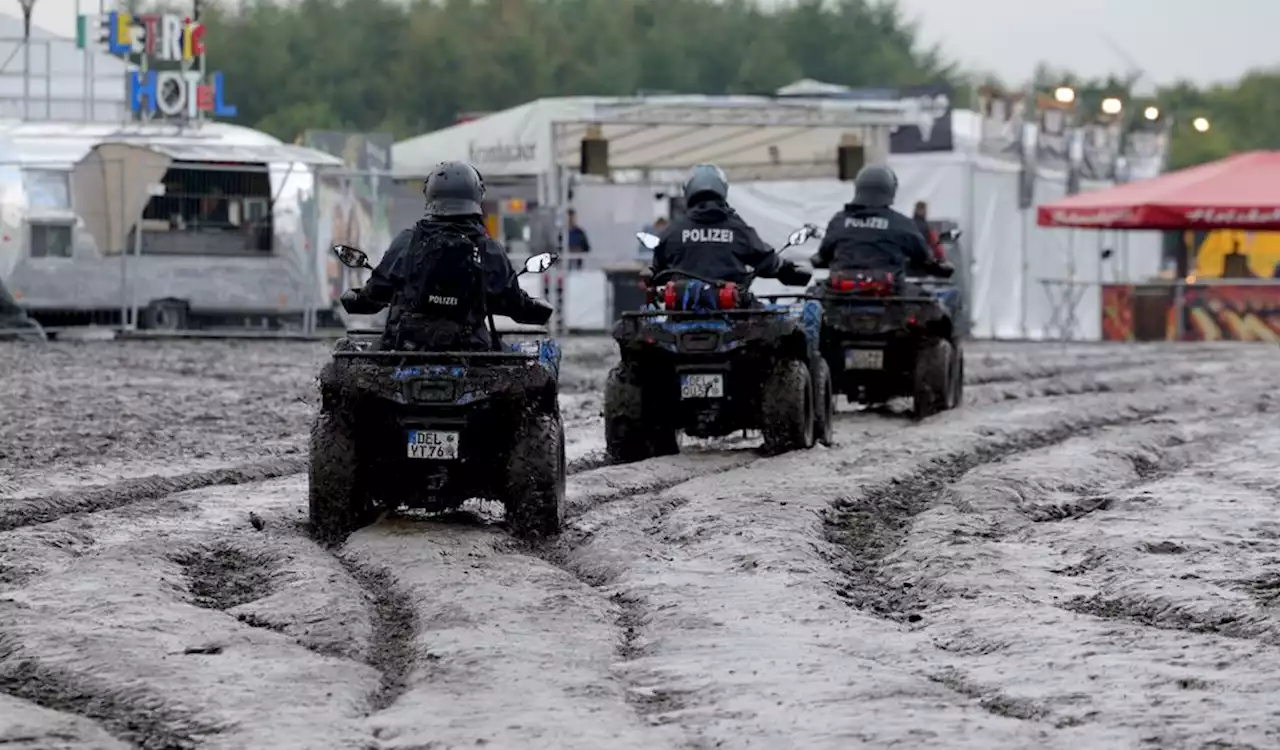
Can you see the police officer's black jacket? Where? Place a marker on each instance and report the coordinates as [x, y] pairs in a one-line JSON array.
[[872, 238], [505, 297], [711, 241]]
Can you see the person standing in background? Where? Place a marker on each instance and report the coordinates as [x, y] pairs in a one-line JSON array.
[[578, 243], [921, 217]]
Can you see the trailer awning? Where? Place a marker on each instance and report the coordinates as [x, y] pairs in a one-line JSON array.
[[229, 152]]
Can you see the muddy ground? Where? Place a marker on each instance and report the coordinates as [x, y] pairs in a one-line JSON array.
[[1087, 555]]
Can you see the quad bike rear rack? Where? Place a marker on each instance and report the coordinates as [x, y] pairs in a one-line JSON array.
[[418, 356], [854, 297], [741, 312], [437, 356]]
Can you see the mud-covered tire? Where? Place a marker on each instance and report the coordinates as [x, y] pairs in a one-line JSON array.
[[931, 379], [631, 432], [787, 408], [536, 478], [824, 405], [337, 500]]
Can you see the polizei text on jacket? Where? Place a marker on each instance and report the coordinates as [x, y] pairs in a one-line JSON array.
[[707, 235]]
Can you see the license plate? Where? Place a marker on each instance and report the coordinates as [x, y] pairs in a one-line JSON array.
[[864, 359], [701, 386], [433, 444]]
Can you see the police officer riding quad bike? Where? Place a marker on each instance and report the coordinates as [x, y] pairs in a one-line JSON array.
[[709, 358], [436, 409], [886, 333]]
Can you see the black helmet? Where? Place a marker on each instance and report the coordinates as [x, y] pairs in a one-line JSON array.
[[876, 185], [705, 181], [454, 189]]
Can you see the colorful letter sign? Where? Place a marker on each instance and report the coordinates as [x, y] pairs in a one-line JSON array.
[[175, 93], [163, 38]]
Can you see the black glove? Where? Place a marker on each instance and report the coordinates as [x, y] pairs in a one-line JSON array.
[[816, 261], [943, 269], [356, 304], [791, 275], [536, 313]]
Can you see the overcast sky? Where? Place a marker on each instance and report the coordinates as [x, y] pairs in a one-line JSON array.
[[1203, 40]]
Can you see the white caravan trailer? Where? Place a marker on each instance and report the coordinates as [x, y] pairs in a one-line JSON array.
[[228, 218]]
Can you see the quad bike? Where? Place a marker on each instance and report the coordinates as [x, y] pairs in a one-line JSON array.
[[709, 359], [883, 342], [21, 329], [431, 430]]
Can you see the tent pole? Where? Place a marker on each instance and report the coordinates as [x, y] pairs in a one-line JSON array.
[[1026, 269], [967, 251]]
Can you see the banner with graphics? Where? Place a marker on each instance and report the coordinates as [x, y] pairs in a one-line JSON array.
[[1233, 313], [931, 129], [1236, 254], [1117, 312], [1227, 312]]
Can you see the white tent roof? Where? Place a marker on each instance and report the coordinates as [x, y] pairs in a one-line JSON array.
[[59, 145], [762, 136]]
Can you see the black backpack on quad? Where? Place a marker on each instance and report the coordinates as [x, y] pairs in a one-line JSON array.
[[432, 429], [710, 359], [885, 338]]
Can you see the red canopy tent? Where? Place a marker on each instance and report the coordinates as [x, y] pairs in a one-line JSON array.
[[1239, 192]]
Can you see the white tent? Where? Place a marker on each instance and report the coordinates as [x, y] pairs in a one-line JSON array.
[[750, 137], [63, 82]]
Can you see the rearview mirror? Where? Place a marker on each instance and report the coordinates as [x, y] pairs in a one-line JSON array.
[[648, 240], [802, 235], [540, 262], [351, 257]]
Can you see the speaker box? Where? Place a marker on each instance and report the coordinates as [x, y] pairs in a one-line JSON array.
[[594, 157], [851, 160]]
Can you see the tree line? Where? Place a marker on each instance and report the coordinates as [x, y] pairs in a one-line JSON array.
[[412, 67]]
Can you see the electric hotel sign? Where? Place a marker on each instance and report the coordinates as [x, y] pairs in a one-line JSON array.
[[169, 53]]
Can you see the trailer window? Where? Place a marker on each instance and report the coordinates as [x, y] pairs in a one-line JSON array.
[[50, 240], [47, 188], [210, 209]]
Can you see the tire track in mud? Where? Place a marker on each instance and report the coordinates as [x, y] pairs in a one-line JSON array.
[[263, 576], [1155, 581], [874, 523], [27, 511], [395, 623], [140, 717], [478, 558], [1248, 618], [983, 373]]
